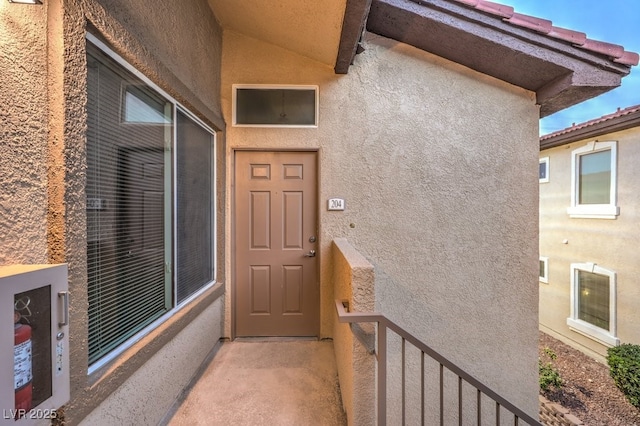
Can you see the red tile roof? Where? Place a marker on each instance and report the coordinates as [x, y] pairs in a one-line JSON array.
[[615, 52], [575, 127]]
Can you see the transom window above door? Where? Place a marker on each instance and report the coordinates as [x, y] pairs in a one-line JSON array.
[[275, 106]]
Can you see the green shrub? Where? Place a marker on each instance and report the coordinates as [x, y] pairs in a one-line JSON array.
[[624, 367], [549, 375]]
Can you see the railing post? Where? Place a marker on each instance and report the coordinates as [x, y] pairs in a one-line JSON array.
[[384, 324], [382, 374]]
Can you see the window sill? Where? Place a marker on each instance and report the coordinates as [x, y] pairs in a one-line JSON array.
[[595, 211], [154, 337], [591, 331]]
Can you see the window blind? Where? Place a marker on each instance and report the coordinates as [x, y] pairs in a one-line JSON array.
[[141, 263], [127, 204], [195, 206], [593, 294]]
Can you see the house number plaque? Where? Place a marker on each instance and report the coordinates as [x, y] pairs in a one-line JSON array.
[[335, 204]]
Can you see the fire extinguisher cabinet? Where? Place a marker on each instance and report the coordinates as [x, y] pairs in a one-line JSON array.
[[34, 343]]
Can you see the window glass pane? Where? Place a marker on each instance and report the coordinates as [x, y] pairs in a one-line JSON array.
[[542, 268], [141, 106], [595, 178], [543, 171], [126, 205], [276, 106], [593, 299], [195, 207]]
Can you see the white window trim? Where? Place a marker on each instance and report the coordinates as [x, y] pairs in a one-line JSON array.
[[545, 161], [176, 306], [594, 211], [545, 278], [606, 337], [235, 87]]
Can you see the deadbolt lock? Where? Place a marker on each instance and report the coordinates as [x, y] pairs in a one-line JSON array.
[[312, 239]]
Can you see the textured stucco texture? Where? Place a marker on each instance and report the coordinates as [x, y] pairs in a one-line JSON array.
[[23, 133], [149, 392], [609, 243], [42, 164], [437, 165], [438, 168], [353, 278]]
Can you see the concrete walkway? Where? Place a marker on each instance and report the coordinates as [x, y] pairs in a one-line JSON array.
[[273, 382]]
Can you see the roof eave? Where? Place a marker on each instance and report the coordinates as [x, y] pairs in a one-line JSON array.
[[355, 19], [560, 73], [604, 127]]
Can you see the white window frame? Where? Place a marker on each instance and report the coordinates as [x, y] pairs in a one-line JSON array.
[[545, 278], [315, 88], [593, 211], [606, 337], [176, 306], [545, 161]]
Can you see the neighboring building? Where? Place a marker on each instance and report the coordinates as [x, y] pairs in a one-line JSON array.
[[589, 230], [133, 150]]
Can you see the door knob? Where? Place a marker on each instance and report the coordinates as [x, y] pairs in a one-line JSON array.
[[312, 253]]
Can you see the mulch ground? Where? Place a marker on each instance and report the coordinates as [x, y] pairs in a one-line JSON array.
[[588, 390]]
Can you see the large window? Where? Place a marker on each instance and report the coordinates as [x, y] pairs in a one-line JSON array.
[[150, 204], [593, 302], [593, 181]]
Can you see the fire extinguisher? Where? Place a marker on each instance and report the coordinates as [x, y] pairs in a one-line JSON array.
[[22, 373]]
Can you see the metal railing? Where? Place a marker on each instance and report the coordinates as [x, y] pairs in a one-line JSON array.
[[385, 324]]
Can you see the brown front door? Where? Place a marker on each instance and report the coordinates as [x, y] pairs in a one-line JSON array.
[[276, 282]]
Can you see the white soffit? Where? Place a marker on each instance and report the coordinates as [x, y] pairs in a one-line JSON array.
[[310, 28]]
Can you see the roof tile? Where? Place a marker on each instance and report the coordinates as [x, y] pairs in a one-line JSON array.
[[628, 58], [612, 50], [616, 53], [574, 127], [531, 22], [574, 37], [495, 8], [472, 3]]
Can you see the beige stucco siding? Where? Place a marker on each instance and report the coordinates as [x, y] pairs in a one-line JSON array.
[[437, 166], [148, 393], [23, 132], [42, 164], [611, 244]]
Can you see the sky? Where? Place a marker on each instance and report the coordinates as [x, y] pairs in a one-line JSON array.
[[613, 21]]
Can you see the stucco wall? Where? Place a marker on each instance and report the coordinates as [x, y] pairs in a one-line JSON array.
[[149, 392], [611, 244], [23, 133], [437, 165], [353, 278], [43, 124]]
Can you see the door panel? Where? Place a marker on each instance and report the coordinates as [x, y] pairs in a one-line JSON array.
[[260, 211], [277, 292], [292, 220], [260, 290]]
